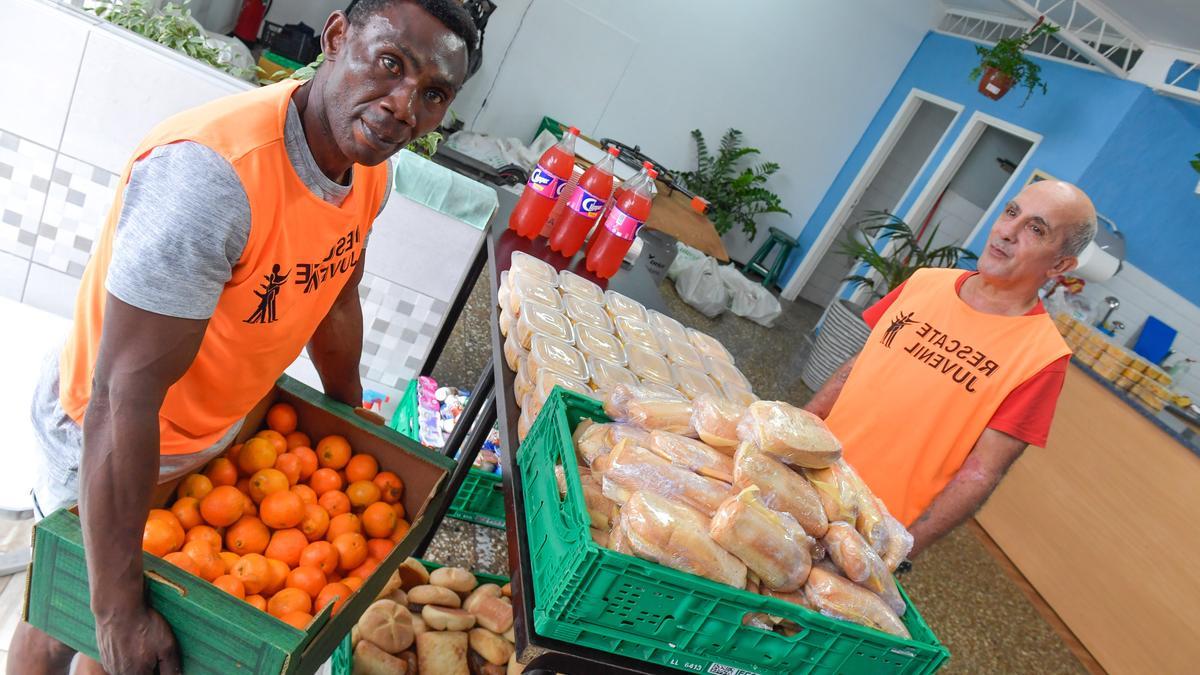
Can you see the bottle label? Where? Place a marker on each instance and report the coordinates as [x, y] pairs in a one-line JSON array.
[[586, 204], [622, 224], [545, 183]]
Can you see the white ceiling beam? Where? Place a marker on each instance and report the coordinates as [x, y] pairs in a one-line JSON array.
[[1072, 35]]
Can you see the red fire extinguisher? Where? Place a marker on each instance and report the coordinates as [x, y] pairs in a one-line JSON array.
[[251, 19]]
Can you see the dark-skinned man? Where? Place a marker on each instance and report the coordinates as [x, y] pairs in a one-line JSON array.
[[237, 238]]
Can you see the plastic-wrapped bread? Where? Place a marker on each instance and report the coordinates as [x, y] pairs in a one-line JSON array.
[[715, 419], [502, 291], [522, 287], [692, 383], [522, 383], [847, 498], [591, 441], [796, 597], [514, 353], [617, 539], [650, 409], [725, 372], [681, 352], [606, 375], [796, 436], [506, 321], [649, 366], [544, 384], [618, 432], [666, 325], [840, 598], [618, 399], [630, 468], [570, 283], [523, 263], [672, 534], [524, 423], [783, 489], [623, 305], [691, 454], [734, 392], [596, 342], [770, 543], [838, 495], [897, 540], [708, 345], [554, 354], [860, 564], [539, 319], [635, 332], [600, 509], [580, 310]]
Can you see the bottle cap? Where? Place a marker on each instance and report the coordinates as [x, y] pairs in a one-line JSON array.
[[647, 165], [573, 130], [614, 150], [699, 204], [652, 173]]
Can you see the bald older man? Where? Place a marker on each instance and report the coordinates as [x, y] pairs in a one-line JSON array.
[[962, 369]]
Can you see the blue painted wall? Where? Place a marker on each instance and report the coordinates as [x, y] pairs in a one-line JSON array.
[[1090, 123]]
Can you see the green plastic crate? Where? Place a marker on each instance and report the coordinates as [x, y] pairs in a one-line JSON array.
[[591, 596]]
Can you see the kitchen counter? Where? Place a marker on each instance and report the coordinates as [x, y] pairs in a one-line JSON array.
[[1186, 433]]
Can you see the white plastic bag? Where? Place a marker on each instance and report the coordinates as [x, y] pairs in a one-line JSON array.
[[685, 257], [748, 299], [700, 286]]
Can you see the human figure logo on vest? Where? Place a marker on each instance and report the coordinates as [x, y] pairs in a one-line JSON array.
[[898, 324], [270, 290]]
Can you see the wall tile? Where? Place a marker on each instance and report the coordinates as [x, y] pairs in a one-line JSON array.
[[422, 249], [51, 290], [398, 328], [76, 206], [13, 270], [38, 67], [25, 172]]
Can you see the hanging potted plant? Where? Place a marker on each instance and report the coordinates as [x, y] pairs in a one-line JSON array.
[[1003, 66]]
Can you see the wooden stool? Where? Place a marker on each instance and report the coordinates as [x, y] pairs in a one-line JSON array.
[[757, 263]]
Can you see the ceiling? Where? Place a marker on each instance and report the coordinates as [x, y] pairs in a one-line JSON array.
[[1170, 22]]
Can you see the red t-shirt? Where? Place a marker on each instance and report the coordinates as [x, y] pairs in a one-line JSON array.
[[1028, 410]]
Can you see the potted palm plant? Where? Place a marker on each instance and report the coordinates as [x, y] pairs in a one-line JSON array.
[[842, 330], [1004, 65]]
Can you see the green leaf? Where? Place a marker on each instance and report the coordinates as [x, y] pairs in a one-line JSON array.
[[735, 192]]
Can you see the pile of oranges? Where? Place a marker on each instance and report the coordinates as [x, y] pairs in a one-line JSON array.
[[284, 526]]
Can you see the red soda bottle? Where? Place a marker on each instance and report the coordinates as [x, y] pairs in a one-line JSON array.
[[584, 206], [548, 179], [613, 238]]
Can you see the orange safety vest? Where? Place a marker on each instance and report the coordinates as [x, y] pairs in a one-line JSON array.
[[926, 384], [299, 254]]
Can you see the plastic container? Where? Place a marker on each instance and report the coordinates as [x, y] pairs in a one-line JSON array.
[[681, 352], [649, 366], [524, 287], [523, 263], [522, 383], [537, 318], [594, 597], [557, 355], [726, 373], [547, 380], [606, 374], [634, 332], [570, 283], [594, 342], [585, 311], [708, 345], [506, 321], [546, 183], [584, 206], [502, 290], [623, 305], [514, 353], [691, 382], [666, 325]]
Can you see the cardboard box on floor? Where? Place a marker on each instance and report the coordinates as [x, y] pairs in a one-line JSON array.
[[218, 633]]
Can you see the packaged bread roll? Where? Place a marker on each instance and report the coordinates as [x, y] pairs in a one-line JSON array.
[[514, 353], [506, 321], [897, 540], [630, 468], [524, 423], [522, 287], [842, 599], [623, 305], [635, 332], [579, 310], [847, 498], [860, 564], [708, 345], [618, 431], [795, 436], [649, 366], [736, 393], [596, 342], [523, 263], [681, 352], [715, 419], [692, 383], [544, 384], [672, 534], [606, 375], [522, 384], [691, 454], [591, 441], [725, 372], [502, 291], [770, 543], [666, 325], [839, 495], [554, 354], [601, 510], [783, 489], [650, 409], [539, 319], [570, 283]]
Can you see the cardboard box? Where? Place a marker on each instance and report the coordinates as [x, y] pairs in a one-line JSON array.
[[218, 633]]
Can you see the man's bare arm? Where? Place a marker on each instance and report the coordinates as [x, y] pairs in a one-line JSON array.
[[336, 346], [990, 459], [822, 402]]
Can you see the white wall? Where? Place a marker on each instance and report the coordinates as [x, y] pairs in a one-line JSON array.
[[311, 12], [802, 79]]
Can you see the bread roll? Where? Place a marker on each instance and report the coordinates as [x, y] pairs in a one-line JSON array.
[[410, 657], [369, 659], [676, 535], [398, 596], [494, 614], [388, 625], [860, 564], [442, 653], [393, 584], [837, 597], [514, 666], [631, 468], [483, 591], [455, 578], [650, 408], [772, 544], [490, 646], [691, 454], [591, 441], [429, 594], [412, 573], [480, 666], [782, 488], [795, 436], [715, 419], [446, 618]]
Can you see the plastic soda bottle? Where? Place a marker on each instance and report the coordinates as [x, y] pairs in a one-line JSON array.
[[584, 206], [545, 184], [628, 214]]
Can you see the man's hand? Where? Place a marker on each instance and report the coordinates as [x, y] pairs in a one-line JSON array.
[[822, 402], [336, 346], [993, 454], [138, 644]]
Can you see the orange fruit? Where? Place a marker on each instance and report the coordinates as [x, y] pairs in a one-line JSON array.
[[333, 452], [257, 601], [253, 571], [362, 467], [308, 579], [379, 548], [297, 439], [297, 620], [248, 507], [286, 546], [289, 600], [196, 485], [231, 585], [315, 523], [281, 510], [170, 519], [208, 561], [187, 511], [257, 454], [247, 535], [364, 570], [282, 418], [230, 559], [306, 494], [399, 508], [335, 502], [379, 520], [362, 493], [158, 537], [233, 453], [391, 488], [278, 576], [183, 562], [352, 550], [223, 506], [289, 464], [353, 583], [308, 460], [267, 481], [204, 533], [222, 471], [335, 592], [400, 531], [321, 555], [275, 438], [339, 525], [325, 480]]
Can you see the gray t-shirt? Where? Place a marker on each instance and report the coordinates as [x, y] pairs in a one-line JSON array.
[[185, 216]]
